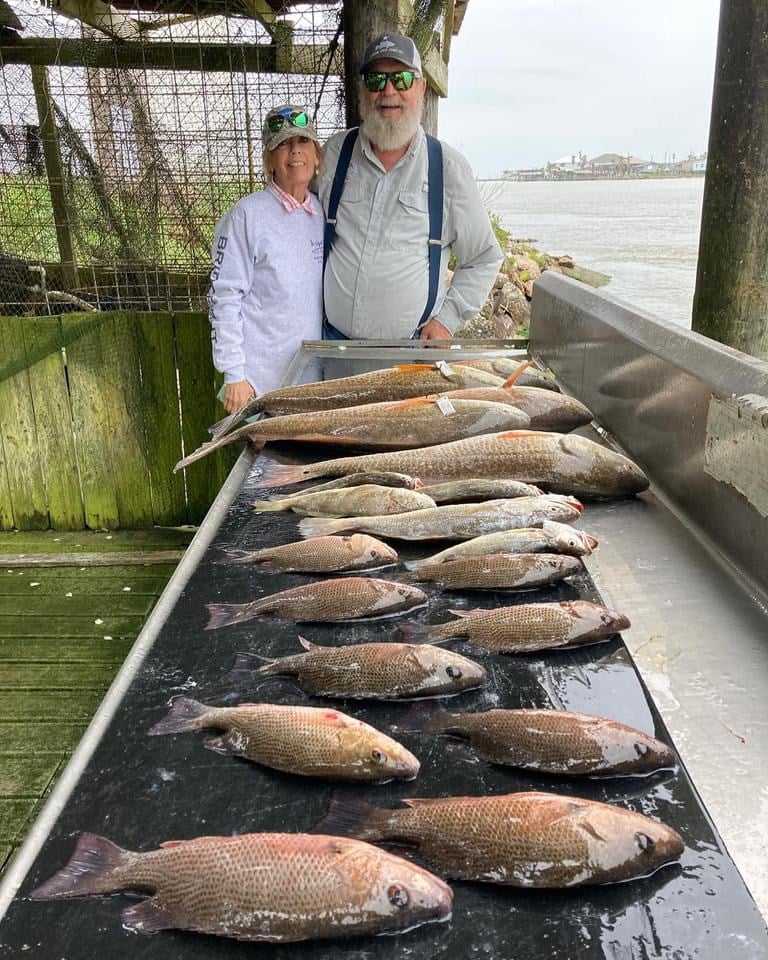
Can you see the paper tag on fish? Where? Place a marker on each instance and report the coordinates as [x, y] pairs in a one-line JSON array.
[[446, 406], [445, 369]]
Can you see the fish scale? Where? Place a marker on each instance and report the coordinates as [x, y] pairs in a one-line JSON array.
[[523, 839], [262, 887], [556, 741], [309, 741]]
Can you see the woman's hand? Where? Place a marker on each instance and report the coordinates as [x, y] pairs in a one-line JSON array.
[[237, 395]]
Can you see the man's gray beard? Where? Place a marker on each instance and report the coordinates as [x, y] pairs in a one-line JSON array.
[[388, 134]]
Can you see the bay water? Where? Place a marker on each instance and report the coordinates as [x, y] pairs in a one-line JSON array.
[[643, 233]]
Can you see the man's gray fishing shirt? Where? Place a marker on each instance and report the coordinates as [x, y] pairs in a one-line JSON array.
[[377, 275]]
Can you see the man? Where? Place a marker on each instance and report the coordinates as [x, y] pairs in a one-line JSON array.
[[376, 282]]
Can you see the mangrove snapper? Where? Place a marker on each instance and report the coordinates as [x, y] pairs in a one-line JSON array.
[[500, 571], [321, 555], [309, 741], [520, 839], [271, 887]]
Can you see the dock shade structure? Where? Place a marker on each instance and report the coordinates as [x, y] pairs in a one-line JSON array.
[[140, 791]]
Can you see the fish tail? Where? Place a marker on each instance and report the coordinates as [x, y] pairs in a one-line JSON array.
[[351, 816], [224, 614], [323, 527], [224, 426], [269, 506], [183, 716], [425, 717], [418, 633], [282, 475], [215, 444], [245, 665], [232, 555], [90, 869]]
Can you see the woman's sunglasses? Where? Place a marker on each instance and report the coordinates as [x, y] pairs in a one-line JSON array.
[[401, 80], [297, 118]]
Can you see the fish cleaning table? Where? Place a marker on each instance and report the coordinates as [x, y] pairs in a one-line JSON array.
[[139, 790]]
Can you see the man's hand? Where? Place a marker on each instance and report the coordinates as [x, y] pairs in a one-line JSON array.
[[434, 330], [237, 395]]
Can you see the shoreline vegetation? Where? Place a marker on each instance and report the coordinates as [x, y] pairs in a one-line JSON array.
[[507, 311]]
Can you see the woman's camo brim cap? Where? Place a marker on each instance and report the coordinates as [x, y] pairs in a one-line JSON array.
[[272, 139], [392, 46]]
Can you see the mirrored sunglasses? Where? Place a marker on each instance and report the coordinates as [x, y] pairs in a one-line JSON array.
[[401, 80], [297, 118]]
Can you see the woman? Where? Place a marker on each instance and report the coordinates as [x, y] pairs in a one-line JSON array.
[[266, 283]]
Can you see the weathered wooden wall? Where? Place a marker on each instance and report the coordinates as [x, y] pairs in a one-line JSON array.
[[94, 409]]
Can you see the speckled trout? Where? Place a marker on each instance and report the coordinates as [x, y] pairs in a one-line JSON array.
[[520, 839], [365, 501], [272, 887], [455, 521], [551, 537], [382, 478], [563, 463], [329, 601], [526, 627], [309, 741], [393, 383], [369, 671], [500, 571], [402, 425], [550, 741], [547, 409], [321, 555]]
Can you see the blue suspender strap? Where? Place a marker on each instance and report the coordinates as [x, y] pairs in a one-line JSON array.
[[337, 188], [435, 205]]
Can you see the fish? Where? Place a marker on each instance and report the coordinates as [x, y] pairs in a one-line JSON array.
[[270, 887], [526, 627], [526, 839], [308, 741], [400, 382], [500, 571], [550, 741], [364, 501], [368, 671], [326, 601], [507, 368], [382, 479], [455, 521], [399, 425], [562, 463], [321, 555], [551, 537], [461, 491], [547, 409]]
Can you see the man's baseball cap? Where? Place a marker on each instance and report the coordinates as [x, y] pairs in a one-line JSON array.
[[392, 46], [285, 121]]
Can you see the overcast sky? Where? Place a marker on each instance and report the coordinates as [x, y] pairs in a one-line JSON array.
[[536, 80]]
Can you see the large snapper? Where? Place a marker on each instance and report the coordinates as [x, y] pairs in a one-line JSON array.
[[392, 383], [367, 500], [309, 741], [320, 555], [272, 887], [564, 463], [500, 571], [520, 839]]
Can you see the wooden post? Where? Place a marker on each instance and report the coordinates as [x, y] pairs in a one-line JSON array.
[[54, 171], [363, 22], [731, 299]]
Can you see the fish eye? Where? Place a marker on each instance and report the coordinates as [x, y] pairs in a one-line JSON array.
[[641, 749], [375, 554], [378, 757], [606, 618], [644, 842], [453, 672], [397, 896]]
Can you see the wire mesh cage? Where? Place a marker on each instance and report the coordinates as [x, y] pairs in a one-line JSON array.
[[123, 140]]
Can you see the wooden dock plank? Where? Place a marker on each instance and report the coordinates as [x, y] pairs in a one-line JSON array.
[[79, 585], [114, 627], [14, 817], [98, 607], [18, 677], [94, 541], [27, 776], [55, 649], [36, 705], [42, 737], [159, 572]]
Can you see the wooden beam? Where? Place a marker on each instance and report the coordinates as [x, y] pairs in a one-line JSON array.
[[54, 171], [207, 57], [99, 15]]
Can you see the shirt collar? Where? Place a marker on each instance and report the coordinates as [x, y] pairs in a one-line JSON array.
[[413, 149], [290, 203]]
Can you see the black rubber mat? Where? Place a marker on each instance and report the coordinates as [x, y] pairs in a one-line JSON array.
[[139, 791]]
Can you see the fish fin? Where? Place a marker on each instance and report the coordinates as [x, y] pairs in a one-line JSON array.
[[424, 717], [89, 870], [408, 367], [465, 613], [412, 565], [232, 555], [284, 475], [324, 527], [349, 816], [147, 917], [308, 645], [183, 716], [511, 380], [418, 801], [514, 434], [416, 633], [246, 665], [224, 614], [226, 424], [414, 402], [269, 506], [230, 743]]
